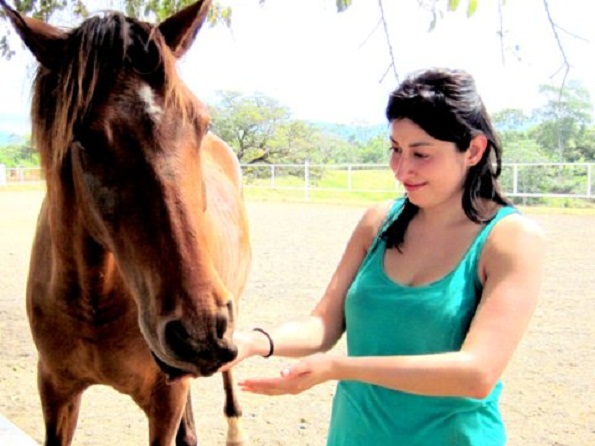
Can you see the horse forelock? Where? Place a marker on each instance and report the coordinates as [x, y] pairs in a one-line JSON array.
[[94, 60]]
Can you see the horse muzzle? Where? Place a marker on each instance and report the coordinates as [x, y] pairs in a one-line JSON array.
[[199, 365], [193, 353]]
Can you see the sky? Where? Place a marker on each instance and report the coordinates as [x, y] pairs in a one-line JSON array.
[[335, 67]]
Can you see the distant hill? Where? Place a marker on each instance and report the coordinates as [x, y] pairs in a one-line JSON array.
[[352, 132], [10, 139], [14, 129]]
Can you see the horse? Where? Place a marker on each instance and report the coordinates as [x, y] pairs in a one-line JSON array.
[[142, 246]]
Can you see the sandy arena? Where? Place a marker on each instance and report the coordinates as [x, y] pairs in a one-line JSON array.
[[549, 387]]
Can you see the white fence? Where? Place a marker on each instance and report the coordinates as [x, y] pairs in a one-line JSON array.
[[525, 180], [20, 175]]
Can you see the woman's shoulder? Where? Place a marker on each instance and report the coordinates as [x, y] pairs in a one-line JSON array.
[[376, 214], [515, 231], [516, 222], [372, 220], [514, 240]]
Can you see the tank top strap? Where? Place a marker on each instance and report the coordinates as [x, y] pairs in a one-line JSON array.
[[393, 213], [485, 232], [470, 261]]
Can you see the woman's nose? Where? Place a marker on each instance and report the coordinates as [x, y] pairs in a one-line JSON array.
[[401, 168]]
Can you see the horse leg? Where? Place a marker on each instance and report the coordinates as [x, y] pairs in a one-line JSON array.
[[233, 412], [164, 404], [187, 431], [60, 402]]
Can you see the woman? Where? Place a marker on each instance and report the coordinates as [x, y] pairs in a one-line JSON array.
[[434, 291]]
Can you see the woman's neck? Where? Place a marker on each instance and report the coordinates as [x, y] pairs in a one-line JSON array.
[[443, 215], [451, 213]]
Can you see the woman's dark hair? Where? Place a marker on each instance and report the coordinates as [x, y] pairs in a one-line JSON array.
[[446, 105]]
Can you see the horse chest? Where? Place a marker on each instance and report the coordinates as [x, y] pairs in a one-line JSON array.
[[95, 355], [83, 330]]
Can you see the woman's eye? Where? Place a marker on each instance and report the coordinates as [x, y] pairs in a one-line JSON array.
[[420, 155], [394, 149]]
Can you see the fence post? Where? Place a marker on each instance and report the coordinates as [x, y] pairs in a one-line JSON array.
[[2, 175], [272, 176], [307, 180], [589, 179], [515, 178], [349, 178]]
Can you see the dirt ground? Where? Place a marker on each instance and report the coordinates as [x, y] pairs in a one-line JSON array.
[[548, 397]]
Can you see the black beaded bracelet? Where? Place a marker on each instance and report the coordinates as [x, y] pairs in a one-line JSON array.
[[271, 343]]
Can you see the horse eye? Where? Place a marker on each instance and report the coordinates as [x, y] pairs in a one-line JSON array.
[[84, 149], [89, 145]]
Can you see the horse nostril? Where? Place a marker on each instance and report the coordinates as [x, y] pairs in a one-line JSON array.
[[220, 326], [178, 339], [210, 350]]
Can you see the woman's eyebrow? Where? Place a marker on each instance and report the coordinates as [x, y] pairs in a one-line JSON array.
[[413, 145]]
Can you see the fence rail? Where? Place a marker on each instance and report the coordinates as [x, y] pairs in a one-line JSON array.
[[523, 180]]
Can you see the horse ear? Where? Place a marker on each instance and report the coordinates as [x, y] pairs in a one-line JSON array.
[[180, 29], [43, 40]]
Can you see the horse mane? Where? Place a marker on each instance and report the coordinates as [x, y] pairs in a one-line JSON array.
[[95, 58]]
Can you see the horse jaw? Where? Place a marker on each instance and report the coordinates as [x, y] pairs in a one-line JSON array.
[[172, 374]]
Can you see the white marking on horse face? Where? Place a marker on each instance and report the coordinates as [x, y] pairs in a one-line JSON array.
[[148, 97]]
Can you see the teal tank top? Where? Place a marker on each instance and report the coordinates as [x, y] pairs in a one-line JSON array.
[[384, 318]]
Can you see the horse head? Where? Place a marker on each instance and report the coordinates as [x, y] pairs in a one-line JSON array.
[[120, 137]]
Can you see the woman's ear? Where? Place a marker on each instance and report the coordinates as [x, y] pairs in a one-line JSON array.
[[477, 148]]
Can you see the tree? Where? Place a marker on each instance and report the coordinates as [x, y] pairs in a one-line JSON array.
[[260, 129], [565, 121], [373, 151], [20, 154], [510, 119], [514, 130]]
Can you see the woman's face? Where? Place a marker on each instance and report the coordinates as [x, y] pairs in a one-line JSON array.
[[432, 171]]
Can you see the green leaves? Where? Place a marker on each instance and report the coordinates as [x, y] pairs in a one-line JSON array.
[[453, 5], [471, 7], [342, 5]]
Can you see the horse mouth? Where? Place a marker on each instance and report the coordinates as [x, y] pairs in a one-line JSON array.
[[172, 374]]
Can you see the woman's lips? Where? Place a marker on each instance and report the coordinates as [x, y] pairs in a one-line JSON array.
[[413, 187]]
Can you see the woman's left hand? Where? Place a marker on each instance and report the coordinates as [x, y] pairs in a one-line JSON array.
[[295, 378]]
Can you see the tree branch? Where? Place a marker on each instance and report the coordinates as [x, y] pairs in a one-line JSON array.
[[566, 64], [390, 48], [501, 17]]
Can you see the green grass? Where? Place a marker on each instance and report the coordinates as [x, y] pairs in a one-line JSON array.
[[330, 178], [317, 196]]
